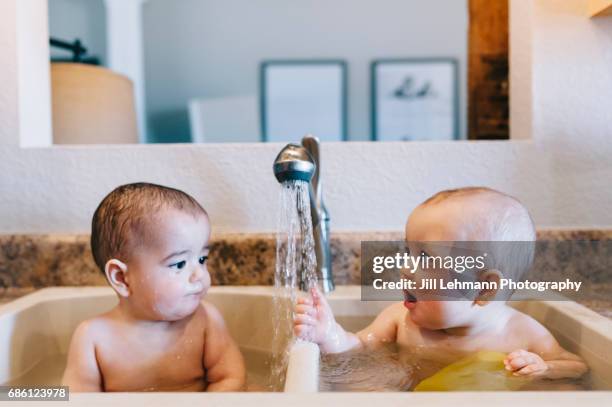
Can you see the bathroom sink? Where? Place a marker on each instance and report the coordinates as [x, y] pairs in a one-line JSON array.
[[577, 328], [35, 330]]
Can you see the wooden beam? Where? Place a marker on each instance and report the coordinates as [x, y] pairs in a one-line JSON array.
[[488, 102]]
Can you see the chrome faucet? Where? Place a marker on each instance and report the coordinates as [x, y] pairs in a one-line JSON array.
[[303, 163]]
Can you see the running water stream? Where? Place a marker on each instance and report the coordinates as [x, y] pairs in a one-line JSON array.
[[295, 258]]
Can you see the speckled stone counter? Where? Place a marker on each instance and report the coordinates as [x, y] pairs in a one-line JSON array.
[[235, 259], [35, 261]]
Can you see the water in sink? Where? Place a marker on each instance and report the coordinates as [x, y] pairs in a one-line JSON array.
[[49, 371], [391, 368]]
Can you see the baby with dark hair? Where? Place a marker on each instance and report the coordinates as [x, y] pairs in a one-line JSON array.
[[151, 242]]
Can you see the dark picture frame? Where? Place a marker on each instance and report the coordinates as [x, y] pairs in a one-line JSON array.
[[414, 99], [320, 107]]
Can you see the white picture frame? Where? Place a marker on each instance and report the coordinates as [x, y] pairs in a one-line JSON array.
[[415, 99], [300, 97]]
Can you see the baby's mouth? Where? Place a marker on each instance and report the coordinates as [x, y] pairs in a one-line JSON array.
[[197, 289], [196, 293], [409, 300]]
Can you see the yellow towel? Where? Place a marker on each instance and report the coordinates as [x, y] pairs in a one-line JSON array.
[[483, 370]]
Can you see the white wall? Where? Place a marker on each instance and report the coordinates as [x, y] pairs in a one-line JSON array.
[[520, 61], [213, 48], [563, 175], [9, 85], [367, 186], [25, 80], [572, 107], [35, 120]]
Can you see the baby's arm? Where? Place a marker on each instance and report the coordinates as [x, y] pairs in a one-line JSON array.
[[222, 360], [82, 373], [314, 321], [545, 358]]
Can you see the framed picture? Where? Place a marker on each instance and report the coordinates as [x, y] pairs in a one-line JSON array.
[[299, 97], [415, 99]]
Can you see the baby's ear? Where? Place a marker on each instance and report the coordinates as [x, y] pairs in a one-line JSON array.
[[115, 271], [488, 294]]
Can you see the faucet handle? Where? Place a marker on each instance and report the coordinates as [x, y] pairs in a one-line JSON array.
[[311, 144], [320, 217]]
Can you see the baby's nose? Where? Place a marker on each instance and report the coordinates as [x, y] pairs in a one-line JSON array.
[[196, 275]]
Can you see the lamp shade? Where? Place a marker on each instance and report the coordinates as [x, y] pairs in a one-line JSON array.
[[92, 105]]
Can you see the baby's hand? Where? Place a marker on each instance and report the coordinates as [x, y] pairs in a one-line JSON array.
[[314, 320], [523, 363]]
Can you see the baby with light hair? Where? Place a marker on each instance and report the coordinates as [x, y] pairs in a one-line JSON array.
[[458, 327]]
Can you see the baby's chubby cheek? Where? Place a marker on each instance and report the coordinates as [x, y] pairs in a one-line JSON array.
[[167, 297], [423, 316], [433, 314]]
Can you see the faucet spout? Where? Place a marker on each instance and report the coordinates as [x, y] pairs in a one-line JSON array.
[[295, 162]]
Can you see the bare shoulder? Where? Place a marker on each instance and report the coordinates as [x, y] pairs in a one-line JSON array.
[[537, 335], [91, 329], [210, 314], [396, 311], [82, 371], [217, 337], [384, 326], [519, 320], [393, 316]]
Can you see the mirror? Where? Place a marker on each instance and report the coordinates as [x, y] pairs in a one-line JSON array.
[[270, 70]]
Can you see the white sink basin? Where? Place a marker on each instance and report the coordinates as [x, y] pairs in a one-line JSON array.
[[577, 328], [37, 328]]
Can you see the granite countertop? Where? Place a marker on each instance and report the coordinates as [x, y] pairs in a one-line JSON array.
[[29, 262]]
